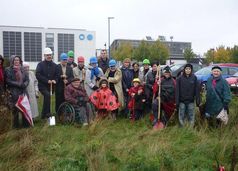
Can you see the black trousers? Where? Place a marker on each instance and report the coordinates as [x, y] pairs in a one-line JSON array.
[[59, 99], [16, 122], [46, 103]]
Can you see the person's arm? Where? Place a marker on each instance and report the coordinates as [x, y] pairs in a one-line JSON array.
[[177, 91], [226, 94], [26, 80], [197, 92], [39, 74], [9, 80]]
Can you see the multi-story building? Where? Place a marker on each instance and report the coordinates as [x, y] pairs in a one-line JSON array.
[[176, 49], [29, 42]]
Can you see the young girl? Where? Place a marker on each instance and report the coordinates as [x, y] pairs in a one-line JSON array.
[[104, 100], [137, 100]]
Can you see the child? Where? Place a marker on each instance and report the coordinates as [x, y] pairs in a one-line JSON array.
[[137, 100], [77, 96], [104, 100]]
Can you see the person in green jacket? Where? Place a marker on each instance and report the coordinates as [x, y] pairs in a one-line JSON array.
[[218, 95]]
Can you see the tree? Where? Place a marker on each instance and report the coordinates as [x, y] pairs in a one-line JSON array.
[[234, 54], [188, 54], [142, 51], [124, 51], [222, 54], [158, 52]]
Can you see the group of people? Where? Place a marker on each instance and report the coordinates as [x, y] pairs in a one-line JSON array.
[[128, 91]]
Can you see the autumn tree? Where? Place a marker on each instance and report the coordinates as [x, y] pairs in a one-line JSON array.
[[158, 52], [125, 50], [142, 51], [222, 54], [234, 54]]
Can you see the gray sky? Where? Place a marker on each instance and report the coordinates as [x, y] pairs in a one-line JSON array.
[[205, 23]]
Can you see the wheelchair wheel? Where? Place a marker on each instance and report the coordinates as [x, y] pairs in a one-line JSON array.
[[66, 113]]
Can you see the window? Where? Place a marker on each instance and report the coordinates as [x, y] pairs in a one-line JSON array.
[[232, 71], [49, 39], [11, 43], [65, 43], [32, 46]]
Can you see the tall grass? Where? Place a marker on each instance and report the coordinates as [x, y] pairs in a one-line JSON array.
[[120, 145]]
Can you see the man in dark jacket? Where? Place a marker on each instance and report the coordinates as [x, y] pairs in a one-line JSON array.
[[64, 76], [103, 62], [46, 75], [71, 62], [187, 90], [127, 77]]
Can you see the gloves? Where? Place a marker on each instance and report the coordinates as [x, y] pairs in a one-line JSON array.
[[98, 78], [81, 101], [95, 87]]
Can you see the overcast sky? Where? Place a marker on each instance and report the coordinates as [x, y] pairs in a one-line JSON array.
[[205, 23]]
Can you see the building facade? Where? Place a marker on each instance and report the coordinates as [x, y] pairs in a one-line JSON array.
[[176, 49], [29, 42]]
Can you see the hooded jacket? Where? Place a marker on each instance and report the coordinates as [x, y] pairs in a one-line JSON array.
[[187, 88]]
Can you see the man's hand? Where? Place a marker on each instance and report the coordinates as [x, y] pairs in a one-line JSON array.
[[53, 81], [65, 81], [132, 94], [49, 81], [140, 91]]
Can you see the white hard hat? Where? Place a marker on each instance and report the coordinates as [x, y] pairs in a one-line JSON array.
[[47, 51]]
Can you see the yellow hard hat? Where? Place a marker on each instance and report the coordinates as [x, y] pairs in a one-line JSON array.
[[136, 80]]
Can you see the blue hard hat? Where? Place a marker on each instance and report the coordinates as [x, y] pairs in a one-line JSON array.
[[63, 57], [93, 60], [112, 62]]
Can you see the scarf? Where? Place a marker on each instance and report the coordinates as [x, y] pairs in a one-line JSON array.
[[214, 81], [18, 73], [94, 72]]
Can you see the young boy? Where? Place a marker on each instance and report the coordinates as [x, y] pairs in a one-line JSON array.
[[137, 100], [77, 96], [187, 91], [104, 100]]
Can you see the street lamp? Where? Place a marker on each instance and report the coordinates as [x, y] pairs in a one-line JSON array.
[[109, 18]]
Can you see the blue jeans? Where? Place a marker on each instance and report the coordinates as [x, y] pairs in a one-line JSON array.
[[186, 110]]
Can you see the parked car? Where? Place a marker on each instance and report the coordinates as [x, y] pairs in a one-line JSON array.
[[178, 68], [233, 82], [227, 71]]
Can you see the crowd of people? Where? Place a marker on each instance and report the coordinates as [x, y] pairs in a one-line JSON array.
[[109, 90]]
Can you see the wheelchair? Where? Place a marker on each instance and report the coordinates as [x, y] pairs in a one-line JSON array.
[[66, 113]]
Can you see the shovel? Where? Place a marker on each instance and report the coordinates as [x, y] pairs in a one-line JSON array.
[[51, 119], [159, 125]]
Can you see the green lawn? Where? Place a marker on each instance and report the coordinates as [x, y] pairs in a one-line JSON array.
[[119, 145]]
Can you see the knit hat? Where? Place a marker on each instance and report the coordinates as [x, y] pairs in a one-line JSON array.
[[216, 67], [189, 66], [167, 69], [103, 81]]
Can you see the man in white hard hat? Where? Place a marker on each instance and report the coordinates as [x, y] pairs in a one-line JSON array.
[[46, 75]]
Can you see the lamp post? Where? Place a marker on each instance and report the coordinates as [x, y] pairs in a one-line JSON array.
[[109, 18], [171, 38]]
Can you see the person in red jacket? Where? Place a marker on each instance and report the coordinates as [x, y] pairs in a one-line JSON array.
[[104, 100], [77, 96], [137, 100]]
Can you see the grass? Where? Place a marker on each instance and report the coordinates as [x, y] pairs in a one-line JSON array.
[[119, 145]]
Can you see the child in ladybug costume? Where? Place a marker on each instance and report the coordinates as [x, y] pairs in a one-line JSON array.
[[104, 100], [137, 100]]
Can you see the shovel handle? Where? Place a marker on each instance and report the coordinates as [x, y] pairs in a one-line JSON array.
[[51, 89]]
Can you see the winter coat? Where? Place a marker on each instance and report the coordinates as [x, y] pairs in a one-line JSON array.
[[218, 97], [2, 82], [103, 64], [117, 81], [81, 74], [103, 98], [32, 90], [127, 77], [136, 101], [150, 80], [143, 74], [72, 64], [90, 83], [187, 89], [16, 89], [60, 83], [45, 71], [72, 94]]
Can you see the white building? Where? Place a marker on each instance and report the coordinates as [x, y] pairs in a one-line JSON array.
[[29, 42]]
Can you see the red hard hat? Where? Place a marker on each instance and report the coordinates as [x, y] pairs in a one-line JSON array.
[[80, 59]]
